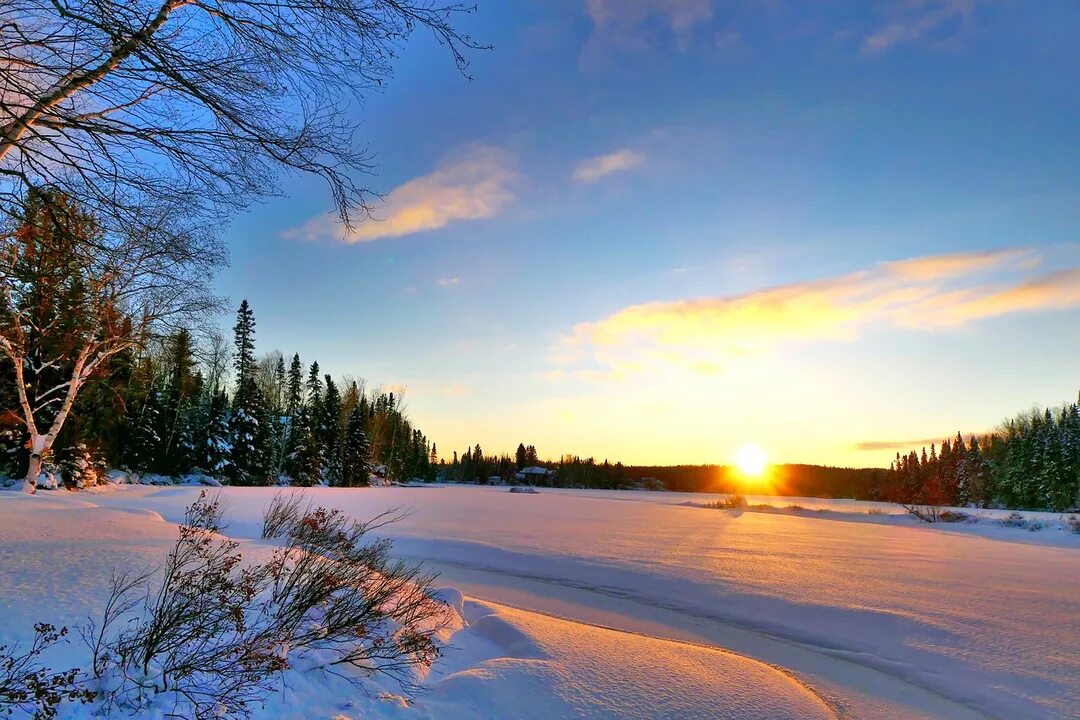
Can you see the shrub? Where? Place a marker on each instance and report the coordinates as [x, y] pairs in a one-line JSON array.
[[82, 466], [29, 687], [733, 502], [284, 511], [214, 631], [926, 513], [953, 516], [1014, 519]]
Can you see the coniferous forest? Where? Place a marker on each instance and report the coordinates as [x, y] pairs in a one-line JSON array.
[[1031, 461], [180, 407]]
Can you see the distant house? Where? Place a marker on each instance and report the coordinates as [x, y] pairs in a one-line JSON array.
[[535, 475], [496, 480]]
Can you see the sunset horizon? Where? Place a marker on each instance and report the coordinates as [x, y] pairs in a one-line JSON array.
[[694, 228]]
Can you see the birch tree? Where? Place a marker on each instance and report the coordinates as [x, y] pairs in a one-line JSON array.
[[122, 102], [72, 295]]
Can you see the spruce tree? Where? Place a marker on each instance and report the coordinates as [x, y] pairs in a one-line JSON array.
[[356, 451], [295, 393], [215, 448], [330, 432], [248, 435], [304, 459]]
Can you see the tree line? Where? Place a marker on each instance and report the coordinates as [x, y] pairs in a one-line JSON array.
[[1032, 461], [163, 411], [574, 471]]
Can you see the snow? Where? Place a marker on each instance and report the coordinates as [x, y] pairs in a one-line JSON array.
[[634, 604]]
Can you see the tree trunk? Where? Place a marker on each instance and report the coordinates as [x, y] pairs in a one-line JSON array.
[[37, 449]]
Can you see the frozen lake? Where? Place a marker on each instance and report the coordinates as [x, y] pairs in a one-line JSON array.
[[877, 615]]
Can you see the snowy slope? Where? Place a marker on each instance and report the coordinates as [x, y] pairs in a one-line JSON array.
[[59, 550]]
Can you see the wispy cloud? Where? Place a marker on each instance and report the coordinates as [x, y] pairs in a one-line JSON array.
[[902, 445], [943, 291], [625, 25], [448, 281], [627, 15], [595, 168], [474, 186], [918, 20], [456, 390]]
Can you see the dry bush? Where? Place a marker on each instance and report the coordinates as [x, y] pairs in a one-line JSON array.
[[735, 502], [284, 512], [215, 632], [27, 686], [926, 513]]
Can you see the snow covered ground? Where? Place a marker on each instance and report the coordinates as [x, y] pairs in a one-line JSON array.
[[626, 604]]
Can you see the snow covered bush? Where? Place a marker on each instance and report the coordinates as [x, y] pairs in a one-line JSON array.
[[1018, 520], [30, 688], [214, 633], [82, 466], [928, 513]]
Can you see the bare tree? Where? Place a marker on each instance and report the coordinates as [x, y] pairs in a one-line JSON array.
[[118, 103], [72, 296], [216, 359]]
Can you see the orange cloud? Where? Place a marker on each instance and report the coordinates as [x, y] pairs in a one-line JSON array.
[[474, 187], [593, 169], [928, 292]]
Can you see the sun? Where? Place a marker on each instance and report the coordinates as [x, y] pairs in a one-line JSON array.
[[751, 460]]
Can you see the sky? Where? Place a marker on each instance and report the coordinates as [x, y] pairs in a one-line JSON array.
[[657, 230]]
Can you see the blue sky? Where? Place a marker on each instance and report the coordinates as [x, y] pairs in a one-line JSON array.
[[654, 231]]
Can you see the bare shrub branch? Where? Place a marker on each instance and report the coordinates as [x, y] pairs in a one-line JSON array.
[[27, 686], [215, 631]]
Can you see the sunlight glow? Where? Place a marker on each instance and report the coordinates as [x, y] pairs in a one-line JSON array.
[[751, 460]]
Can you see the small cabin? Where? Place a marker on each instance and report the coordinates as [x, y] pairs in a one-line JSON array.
[[535, 475]]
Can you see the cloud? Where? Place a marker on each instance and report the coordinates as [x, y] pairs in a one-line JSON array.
[[629, 25], [628, 15], [448, 282], [901, 445], [927, 293], [472, 187], [593, 169], [918, 20], [456, 390]]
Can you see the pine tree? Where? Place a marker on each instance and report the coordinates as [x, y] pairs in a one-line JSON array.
[[330, 432], [143, 452], [304, 459], [180, 404], [244, 341], [215, 445], [295, 394], [356, 451], [250, 456]]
